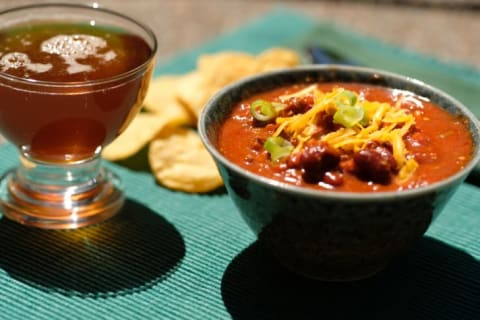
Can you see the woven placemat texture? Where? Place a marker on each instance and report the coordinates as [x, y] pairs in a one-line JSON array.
[[170, 255]]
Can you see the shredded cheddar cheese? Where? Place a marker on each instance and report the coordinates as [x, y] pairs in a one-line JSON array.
[[376, 121]]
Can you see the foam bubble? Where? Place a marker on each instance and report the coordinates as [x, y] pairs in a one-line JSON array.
[[15, 60], [110, 55], [77, 46]]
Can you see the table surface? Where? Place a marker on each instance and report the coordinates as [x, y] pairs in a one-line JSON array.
[[445, 29]]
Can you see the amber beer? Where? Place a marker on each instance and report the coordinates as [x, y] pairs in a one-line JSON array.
[[67, 90], [72, 77]]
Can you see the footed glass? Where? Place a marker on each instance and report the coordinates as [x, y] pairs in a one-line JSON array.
[[72, 78]]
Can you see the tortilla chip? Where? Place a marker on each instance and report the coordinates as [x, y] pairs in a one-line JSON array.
[[275, 58], [223, 68], [179, 161], [216, 70], [162, 89], [162, 99], [213, 72], [138, 133], [192, 92]]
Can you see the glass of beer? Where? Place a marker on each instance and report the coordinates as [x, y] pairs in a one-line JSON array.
[[72, 77]]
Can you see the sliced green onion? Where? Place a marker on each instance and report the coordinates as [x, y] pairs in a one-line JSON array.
[[365, 120], [278, 147], [279, 106], [349, 116], [346, 98], [262, 110]]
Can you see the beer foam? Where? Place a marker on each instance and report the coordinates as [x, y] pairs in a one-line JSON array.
[[77, 46], [15, 60], [110, 55]]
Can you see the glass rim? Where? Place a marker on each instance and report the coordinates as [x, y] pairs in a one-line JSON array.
[[85, 83]]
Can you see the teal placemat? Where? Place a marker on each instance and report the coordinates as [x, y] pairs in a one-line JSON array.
[[170, 255]]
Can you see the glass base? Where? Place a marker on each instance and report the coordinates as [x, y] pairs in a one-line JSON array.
[[55, 196]]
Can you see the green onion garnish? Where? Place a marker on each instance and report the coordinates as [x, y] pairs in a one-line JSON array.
[[279, 106], [278, 147], [263, 110], [346, 98], [348, 113], [348, 116]]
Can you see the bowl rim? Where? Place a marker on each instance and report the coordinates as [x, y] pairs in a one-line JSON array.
[[379, 196]]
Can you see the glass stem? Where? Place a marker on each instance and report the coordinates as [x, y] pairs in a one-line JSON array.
[[60, 196], [51, 178], [61, 186]]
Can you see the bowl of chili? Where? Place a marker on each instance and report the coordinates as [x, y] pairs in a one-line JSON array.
[[338, 169]]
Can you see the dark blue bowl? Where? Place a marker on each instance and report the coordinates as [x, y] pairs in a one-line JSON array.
[[335, 236]]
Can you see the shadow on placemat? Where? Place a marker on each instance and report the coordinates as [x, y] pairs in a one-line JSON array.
[[433, 281], [132, 251]]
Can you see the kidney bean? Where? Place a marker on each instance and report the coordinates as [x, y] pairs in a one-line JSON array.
[[298, 105], [315, 160], [375, 163], [334, 178]]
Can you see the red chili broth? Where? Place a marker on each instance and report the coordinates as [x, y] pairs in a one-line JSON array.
[[445, 148]]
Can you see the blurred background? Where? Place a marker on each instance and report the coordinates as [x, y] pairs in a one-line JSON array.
[[446, 29]]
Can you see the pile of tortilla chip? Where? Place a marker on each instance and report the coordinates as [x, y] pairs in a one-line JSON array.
[[167, 123]]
